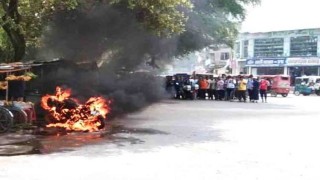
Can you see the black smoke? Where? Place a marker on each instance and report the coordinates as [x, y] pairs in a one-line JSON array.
[[89, 34], [127, 91], [85, 37], [112, 35]]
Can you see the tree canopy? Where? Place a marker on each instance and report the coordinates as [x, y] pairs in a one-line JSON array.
[[22, 22], [193, 24]]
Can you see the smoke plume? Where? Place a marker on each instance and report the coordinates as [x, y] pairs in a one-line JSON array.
[[111, 35], [104, 32]]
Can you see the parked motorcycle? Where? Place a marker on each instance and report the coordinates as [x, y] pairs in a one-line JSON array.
[[190, 92]]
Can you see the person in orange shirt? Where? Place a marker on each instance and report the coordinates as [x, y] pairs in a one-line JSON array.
[[263, 89], [203, 83]]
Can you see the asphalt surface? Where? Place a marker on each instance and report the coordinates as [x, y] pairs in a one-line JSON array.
[[188, 140]]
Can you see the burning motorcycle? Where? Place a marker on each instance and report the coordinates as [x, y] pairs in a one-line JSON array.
[[66, 112]]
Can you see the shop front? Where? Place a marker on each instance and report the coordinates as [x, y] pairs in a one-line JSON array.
[[266, 66], [269, 70], [298, 67]]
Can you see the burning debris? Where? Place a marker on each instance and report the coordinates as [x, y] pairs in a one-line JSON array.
[[66, 112]]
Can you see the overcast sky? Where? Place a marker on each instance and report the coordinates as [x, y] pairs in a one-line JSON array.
[[273, 15]]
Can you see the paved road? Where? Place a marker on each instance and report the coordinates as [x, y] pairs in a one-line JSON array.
[[191, 140]]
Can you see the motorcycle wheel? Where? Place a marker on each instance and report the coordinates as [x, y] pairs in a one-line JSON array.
[[19, 115], [297, 93], [6, 120]]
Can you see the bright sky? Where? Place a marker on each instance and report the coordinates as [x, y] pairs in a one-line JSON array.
[[273, 15]]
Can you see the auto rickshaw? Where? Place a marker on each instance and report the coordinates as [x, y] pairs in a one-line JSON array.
[[279, 84], [307, 85]]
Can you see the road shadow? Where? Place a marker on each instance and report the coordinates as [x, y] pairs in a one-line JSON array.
[[71, 141]]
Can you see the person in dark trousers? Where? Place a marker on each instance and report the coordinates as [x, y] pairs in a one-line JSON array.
[[178, 86], [220, 89], [230, 88], [214, 88], [255, 90], [236, 89], [203, 84], [263, 89], [210, 88], [242, 89], [207, 89], [250, 88]]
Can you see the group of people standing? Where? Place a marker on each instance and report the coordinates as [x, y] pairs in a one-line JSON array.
[[227, 88]]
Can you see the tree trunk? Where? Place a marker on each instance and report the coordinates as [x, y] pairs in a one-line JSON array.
[[19, 46], [14, 33], [18, 42]]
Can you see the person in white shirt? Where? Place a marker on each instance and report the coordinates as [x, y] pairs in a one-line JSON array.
[[220, 89], [231, 84]]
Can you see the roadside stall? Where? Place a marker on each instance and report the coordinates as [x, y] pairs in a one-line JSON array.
[[13, 108]]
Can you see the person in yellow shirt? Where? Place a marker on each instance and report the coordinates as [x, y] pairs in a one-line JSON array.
[[242, 89]]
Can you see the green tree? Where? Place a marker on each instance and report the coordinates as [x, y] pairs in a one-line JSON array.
[[10, 24], [193, 23], [23, 20], [6, 51], [212, 22]]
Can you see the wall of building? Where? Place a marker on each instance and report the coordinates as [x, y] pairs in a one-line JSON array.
[[277, 34], [207, 60], [220, 58], [297, 58]]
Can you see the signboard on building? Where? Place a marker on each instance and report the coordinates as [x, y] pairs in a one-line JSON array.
[[266, 62], [274, 34], [311, 61]]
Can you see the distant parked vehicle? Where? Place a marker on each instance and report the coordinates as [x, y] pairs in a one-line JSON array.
[[307, 85]]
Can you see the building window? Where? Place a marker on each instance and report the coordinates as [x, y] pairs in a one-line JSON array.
[[245, 49], [270, 70], [212, 57], [242, 67], [303, 46], [271, 47], [225, 56]]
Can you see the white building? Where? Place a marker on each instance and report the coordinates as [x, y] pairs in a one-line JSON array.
[[213, 59], [217, 59], [294, 52]]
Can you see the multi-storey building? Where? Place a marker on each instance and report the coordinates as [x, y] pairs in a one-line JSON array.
[[294, 52], [212, 59], [217, 59]]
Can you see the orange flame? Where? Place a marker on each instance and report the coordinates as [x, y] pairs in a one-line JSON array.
[[70, 115]]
